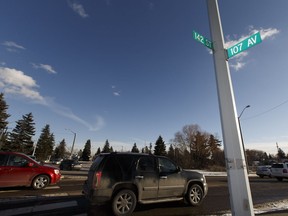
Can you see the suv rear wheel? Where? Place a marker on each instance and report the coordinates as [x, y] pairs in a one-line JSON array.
[[195, 195], [124, 203]]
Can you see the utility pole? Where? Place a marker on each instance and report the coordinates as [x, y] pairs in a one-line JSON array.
[[239, 188]]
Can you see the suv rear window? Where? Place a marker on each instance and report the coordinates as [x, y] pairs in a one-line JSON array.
[[277, 165], [96, 162], [126, 163]]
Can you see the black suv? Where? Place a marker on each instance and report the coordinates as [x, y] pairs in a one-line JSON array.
[[128, 178]]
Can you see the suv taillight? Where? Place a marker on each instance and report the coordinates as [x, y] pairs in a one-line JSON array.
[[98, 176], [284, 170]]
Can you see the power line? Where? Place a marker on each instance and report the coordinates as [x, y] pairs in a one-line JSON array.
[[269, 110]]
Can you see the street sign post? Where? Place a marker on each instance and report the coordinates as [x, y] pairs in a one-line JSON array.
[[202, 40], [238, 182], [244, 45]]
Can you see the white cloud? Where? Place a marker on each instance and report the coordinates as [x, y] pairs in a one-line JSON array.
[[78, 8], [115, 91], [237, 65], [265, 33], [15, 82], [237, 60], [46, 67], [12, 46]]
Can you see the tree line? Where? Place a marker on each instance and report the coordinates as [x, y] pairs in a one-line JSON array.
[[191, 147]]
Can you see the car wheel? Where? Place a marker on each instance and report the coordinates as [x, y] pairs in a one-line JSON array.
[[195, 195], [40, 182], [261, 176], [124, 203], [279, 178]]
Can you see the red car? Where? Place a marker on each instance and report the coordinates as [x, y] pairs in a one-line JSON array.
[[17, 169]]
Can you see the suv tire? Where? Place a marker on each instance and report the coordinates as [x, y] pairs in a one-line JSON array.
[[123, 204], [195, 195]]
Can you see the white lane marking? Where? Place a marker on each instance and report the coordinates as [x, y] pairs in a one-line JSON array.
[[9, 191], [55, 195], [32, 209], [51, 187], [12, 191]]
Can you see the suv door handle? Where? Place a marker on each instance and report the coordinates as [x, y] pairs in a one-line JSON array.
[[163, 177], [139, 177]]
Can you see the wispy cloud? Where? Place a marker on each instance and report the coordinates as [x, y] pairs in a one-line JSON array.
[[237, 62], [15, 82], [78, 8], [45, 67], [115, 91], [12, 46]]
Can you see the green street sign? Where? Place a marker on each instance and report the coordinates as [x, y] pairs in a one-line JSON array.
[[244, 45], [202, 40]]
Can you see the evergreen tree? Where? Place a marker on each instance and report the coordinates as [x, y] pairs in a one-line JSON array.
[[145, 150], [281, 154], [80, 152], [60, 150], [106, 148], [98, 151], [171, 152], [45, 144], [20, 139], [3, 122], [135, 149], [150, 148], [87, 151], [160, 147], [3, 113]]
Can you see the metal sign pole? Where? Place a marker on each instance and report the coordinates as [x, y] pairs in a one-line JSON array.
[[239, 188]]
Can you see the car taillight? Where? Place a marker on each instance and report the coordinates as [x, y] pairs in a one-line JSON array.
[[98, 176], [284, 170]]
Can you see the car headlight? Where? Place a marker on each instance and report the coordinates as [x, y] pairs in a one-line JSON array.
[[56, 171]]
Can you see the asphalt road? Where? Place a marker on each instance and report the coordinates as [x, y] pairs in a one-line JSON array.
[[66, 199]]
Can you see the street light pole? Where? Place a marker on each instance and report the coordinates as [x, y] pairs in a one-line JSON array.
[[73, 142], [240, 129]]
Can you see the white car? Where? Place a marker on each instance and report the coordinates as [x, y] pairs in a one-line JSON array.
[[279, 170], [263, 171]]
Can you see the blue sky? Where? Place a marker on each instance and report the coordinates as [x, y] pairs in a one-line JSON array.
[[130, 70]]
